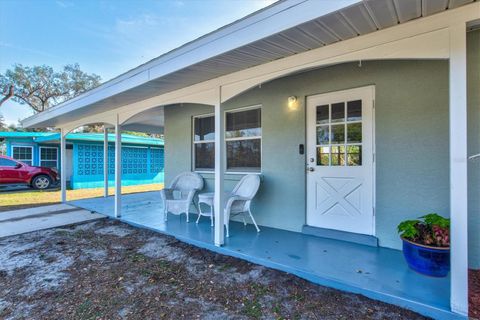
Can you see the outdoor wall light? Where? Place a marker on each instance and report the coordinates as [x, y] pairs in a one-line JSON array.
[[292, 103]]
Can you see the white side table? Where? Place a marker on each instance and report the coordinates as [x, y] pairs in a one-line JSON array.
[[207, 199]]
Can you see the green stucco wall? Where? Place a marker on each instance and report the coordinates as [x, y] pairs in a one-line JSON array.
[[411, 127], [473, 74]]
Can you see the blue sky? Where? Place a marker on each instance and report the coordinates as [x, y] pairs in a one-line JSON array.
[[106, 37]]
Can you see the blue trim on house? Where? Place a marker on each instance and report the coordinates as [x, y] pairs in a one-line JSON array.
[[24, 134], [87, 165], [96, 137]]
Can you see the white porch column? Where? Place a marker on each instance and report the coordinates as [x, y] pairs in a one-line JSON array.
[[219, 171], [105, 161], [63, 165], [118, 170], [458, 170]]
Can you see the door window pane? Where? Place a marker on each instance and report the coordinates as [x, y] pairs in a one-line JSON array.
[[338, 112], [354, 133], [322, 135], [205, 156], [338, 155], [322, 114], [354, 155], [338, 133], [354, 110], [244, 124], [323, 156], [204, 128], [244, 155]]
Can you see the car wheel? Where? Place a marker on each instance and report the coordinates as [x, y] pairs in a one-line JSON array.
[[41, 182]]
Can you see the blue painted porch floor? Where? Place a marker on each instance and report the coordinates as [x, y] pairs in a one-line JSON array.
[[378, 273]]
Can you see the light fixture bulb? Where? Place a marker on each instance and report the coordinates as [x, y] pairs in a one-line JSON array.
[[292, 102]]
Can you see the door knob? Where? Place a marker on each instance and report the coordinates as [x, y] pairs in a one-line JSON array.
[[311, 169]]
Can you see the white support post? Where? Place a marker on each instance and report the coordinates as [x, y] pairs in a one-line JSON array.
[[63, 165], [219, 171], [118, 170], [105, 161], [458, 170]]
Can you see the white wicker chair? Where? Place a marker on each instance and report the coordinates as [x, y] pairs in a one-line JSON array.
[[239, 200], [180, 195]]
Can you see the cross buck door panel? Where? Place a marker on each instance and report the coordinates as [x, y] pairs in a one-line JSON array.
[[340, 160]]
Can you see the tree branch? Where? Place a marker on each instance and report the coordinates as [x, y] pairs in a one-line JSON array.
[[8, 95], [29, 103]]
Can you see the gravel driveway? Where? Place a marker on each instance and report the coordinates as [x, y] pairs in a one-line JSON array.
[[109, 270]]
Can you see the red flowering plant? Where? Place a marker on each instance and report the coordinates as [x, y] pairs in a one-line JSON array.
[[430, 230]]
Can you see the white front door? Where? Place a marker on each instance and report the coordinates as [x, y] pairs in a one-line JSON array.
[[340, 160]]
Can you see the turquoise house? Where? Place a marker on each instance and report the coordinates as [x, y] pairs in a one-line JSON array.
[[142, 157]]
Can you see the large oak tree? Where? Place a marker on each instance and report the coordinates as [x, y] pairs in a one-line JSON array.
[[41, 87]]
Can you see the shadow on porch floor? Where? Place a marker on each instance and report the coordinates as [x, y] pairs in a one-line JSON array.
[[378, 273]]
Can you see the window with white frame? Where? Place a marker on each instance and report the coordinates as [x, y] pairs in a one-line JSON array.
[[204, 143], [243, 138], [23, 154], [49, 157]]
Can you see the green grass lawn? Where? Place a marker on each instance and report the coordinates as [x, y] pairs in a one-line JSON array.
[[12, 200]]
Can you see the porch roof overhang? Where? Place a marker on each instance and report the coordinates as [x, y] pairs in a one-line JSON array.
[[283, 29]]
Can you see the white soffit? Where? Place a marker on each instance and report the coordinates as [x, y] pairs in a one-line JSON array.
[[283, 29]]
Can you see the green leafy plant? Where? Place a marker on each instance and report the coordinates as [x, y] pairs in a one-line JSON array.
[[431, 229], [435, 219]]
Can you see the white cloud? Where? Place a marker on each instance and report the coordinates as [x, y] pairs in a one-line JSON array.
[[178, 3], [136, 24], [64, 3]]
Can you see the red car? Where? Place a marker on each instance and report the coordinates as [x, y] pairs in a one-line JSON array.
[[16, 172]]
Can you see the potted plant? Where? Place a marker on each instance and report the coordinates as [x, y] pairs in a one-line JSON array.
[[426, 244]]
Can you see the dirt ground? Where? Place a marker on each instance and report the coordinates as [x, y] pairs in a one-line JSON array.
[[109, 270], [474, 286]]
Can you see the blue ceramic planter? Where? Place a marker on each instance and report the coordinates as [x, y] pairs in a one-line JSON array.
[[430, 261]]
